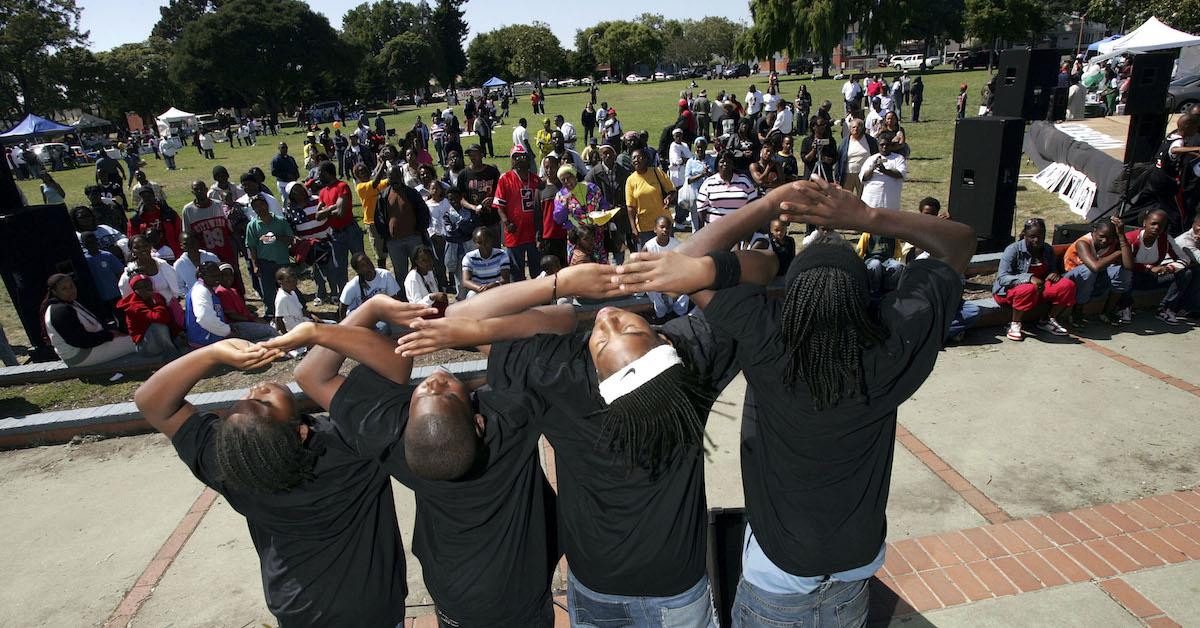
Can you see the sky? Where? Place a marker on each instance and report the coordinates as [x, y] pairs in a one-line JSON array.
[[116, 22]]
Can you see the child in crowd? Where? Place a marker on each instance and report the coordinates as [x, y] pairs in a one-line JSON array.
[[289, 309], [188, 263], [783, 245], [106, 271], [1101, 265], [460, 226], [486, 267], [822, 234], [151, 326], [236, 310], [1158, 262], [550, 266], [420, 285], [161, 251], [1028, 278], [968, 313], [583, 243], [961, 107], [367, 282], [664, 308], [884, 261]]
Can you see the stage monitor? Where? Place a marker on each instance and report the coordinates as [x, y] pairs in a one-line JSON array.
[[1148, 82], [1145, 136], [1025, 82], [983, 177]]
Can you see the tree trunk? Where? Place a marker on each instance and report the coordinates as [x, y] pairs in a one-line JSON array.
[[825, 65]]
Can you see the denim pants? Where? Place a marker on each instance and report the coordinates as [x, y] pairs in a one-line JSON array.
[[834, 604], [454, 254], [170, 161], [1090, 285], [347, 242], [968, 315], [252, 331], [524, 256], [157, 341], [325, 276], [883, 275], [400, 251], [691, 609], [1178, 294], [267, 285]]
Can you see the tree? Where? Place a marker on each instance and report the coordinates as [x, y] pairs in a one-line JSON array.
[[712, 36], [29, 31], [1125, 15], [367, 28], [1014, 20], [135, 77], [406, 61], [520, 51], [262, 51], [625, 43], [450, 27], [931, 20], [486, 57], [178, 14]]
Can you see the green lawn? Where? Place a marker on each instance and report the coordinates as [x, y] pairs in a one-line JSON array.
[[640, 106]]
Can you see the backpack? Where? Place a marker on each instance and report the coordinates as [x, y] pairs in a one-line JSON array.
[[422, 216]]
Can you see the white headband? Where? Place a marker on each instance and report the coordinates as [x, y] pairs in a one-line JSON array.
[[638, 372]]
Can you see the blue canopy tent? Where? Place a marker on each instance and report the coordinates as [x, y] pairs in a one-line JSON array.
[[495, 82], [35, 125], [1095, 46]]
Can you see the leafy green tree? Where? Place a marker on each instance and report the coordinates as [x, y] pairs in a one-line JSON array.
[[1126, 15], [1012, 20], [486, 57], [367, 28], [135, 77], [709, 37], [29, 31], [450, 28], [625, 43], [179, 13], [407, 61], [932, 20], [517, 52]]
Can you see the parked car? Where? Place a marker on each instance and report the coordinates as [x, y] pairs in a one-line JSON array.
[[1183, 93], [552, 83], [587, 80], [636, 78], [607, 78], [800, 66], [736, 71], [324, 111], [971, 59], [567, 82], [907, 62]]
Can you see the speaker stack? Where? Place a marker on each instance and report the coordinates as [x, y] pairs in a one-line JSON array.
[[1025, 84], [1145, 103], [983, 177]]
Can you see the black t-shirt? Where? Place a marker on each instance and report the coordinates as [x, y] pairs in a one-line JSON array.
[[624, 532], [330, 550], [487, 542], [817, 482], [476, 186]]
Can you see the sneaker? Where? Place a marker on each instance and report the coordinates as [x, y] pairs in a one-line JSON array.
[[1014, 332], [1125, 315], [317, 302], [1050, 325], [1110, 319], [1167, 316]]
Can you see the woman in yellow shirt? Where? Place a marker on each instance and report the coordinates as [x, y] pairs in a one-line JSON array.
[[368, 195], [649, 194]]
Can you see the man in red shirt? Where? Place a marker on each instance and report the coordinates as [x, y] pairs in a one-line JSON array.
[[515, 201], [153, 215], [208, 220], [347, 235]]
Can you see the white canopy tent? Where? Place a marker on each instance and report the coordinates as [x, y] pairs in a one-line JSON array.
[[1151, 36], [176, 118]]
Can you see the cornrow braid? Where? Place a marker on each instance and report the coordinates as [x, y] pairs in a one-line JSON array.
[[825, 327], [647, 425], [263, 455]]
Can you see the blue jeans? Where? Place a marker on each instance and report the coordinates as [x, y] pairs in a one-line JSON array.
[[968, 315], [524, 256], [157, 341], [267, 287], [455, 252], [1180, 294], [347, 242], [1090, 285], [883, 275], [400, 251], [834, 604], [691, 609]]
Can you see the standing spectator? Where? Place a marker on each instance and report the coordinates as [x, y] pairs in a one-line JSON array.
[[803, 104], [207, 219], [402, 216], [855, 150], [477, 187], [724, 192], [649, 194], [106, 168], [545, 141], [883, 175], [52, 191], [851, 93], [918, 96], [368, 196], [520, 135], [961, 103], [514, 200], [573, 207], [106, 210], [569, 134], [906, 87], [702, 111], [285, 170], [1027, 278], [754, 104], [610, 176], [77, 335], [483, 128], [341, 146], [894, 133], [437, 133], [310, 222], [818, 152], [612, 129], [551, 233], [111, 240], [897, 95], [268, 238], [874, 119], [222, 190], [460, 224], [142, 181], [588, 120], [207, 145], [154, 215], [338, 204], [679, 154]]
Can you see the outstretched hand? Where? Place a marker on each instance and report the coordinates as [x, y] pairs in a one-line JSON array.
[[668, 272], [822, 203], [302, 335], [397, 312], [590, 281], [243, 354], [430, 335]]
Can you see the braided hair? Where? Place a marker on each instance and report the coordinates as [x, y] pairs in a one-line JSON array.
[[648, 424], [261, 455], [825, 327]]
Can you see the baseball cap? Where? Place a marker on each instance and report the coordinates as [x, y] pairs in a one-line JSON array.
[[517, 150], [474, 147]]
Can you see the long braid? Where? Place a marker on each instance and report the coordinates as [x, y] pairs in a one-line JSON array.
[[262, 455], [825, 327]]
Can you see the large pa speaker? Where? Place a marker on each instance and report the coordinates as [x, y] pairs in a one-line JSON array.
[[726, 530], [39, 241], [1025, 82], [983, 177], [1148, 82], [1145, 136]]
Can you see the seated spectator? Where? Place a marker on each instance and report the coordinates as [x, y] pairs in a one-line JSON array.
[[151, 327], [782, 245], [1101, 265], [193, 256], [241, 318], [583, 245], [111, 240], [665, 308], [1189, 241], [143, 262], [1157, 262], [106, 271], [367, 282], [207, 321], [420, 285], [152, 214], [161, 251], [105, 209], [486, 267], [77, 335], [290, 310], [968, 312], [885, 261], [822, 234], [1027, 279]]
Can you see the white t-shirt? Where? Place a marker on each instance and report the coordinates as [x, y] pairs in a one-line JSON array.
[[856, 153], [418, 288], [770, 102], [754, 102], [850, 90], [107, 236], [165, 281], [437, 216], [654, 247], [358, 291], [288, 309], [272, 205], [520, 136], [882, 191], [186, 270]]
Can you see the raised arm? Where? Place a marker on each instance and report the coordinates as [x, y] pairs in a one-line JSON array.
[[583, 280], [674, 273], [431, 335], [161, 400]]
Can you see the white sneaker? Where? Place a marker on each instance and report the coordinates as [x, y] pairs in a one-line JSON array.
[[1014, 332], [1125, 315], [317, 302], [1167, 316], [1052, 326]]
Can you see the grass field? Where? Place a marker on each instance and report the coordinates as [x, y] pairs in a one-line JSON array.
[[639, 106]]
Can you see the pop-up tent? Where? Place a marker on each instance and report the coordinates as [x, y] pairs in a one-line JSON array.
[[34, 125], [495, 82], [1095, 46], [176, 118], [88, 121], [1149, 37]]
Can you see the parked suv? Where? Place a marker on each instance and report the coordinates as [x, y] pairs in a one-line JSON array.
[[1183, 93], [736, 71], [800, 66], [972, 59]]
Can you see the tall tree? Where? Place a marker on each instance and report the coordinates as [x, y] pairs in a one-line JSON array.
[[931, 20], [369, 27], [486, 57], [280, 46], [1012, 20], [135, 77], [450, 27], [625, 43], [517, 52], [406, 61], [29, 31], [179, 13], [1126, 15]]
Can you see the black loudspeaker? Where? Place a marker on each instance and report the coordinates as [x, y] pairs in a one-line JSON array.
[[726, 530], [1148, 82], [983, 177], [1058, 104], [39, 241], [1066, 234], [1145, 136], [1025, 82]]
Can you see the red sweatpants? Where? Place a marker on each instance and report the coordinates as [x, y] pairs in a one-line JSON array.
[[1025, 297]]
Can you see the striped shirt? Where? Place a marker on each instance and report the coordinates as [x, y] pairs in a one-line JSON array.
[[305, 222], [717, 198], [486, 270]]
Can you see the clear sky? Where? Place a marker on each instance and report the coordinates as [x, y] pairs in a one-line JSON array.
[[116, 22]]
